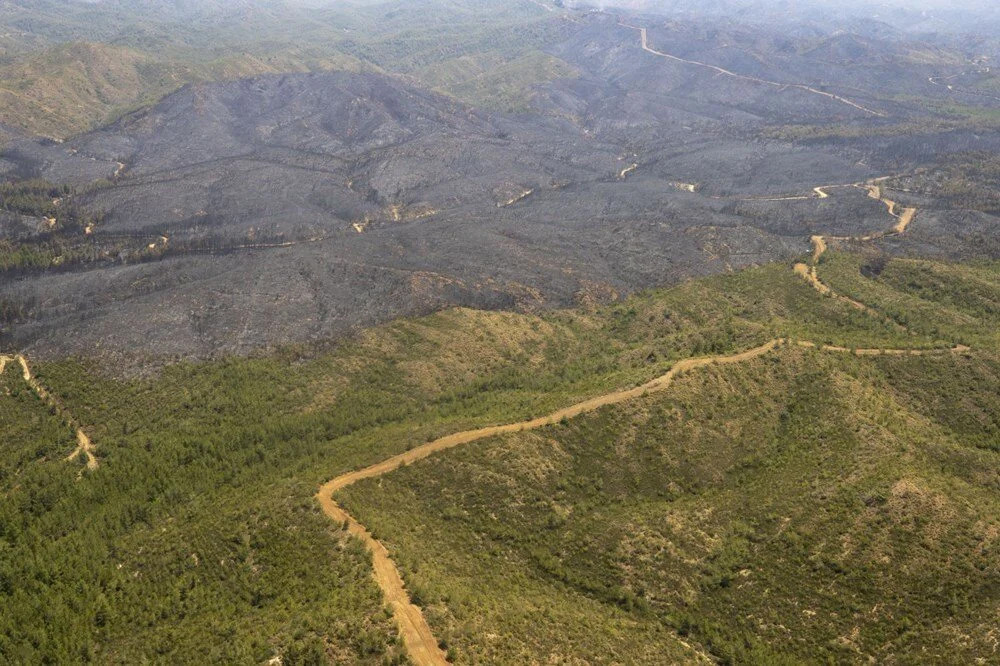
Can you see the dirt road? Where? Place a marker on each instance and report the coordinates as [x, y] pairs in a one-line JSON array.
[[627, 170], [820, 243], [84, 446], [524, 194], [644, 40], [418, 638], [818, 193], [937, 81]]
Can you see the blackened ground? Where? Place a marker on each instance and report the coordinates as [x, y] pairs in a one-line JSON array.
[[296, 207]]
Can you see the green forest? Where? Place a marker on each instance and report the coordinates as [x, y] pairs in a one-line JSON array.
[[198, 537]]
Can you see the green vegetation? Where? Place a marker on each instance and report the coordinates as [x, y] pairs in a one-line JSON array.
[[32, 197], [198, 538], [958, 303], [87, 64], [937, 116], [83, 85], [12, 311], [61, 237], [158, 557], [802, 507]]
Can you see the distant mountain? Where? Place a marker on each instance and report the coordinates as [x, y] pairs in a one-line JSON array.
[[910, 16], [86, 62], [76, 86], [80, 85]]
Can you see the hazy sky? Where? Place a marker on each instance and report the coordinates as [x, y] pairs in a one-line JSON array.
[[869, 5]]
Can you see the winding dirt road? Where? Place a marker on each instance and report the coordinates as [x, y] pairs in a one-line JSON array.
[[644, 39], [417, 636], [818, 193], [820, 243], [623, 174], [84, 446], [421, 645], [903, 218], [942, 81]]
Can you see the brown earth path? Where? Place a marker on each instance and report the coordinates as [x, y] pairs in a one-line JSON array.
[[937, 81], [417, 636], [84, 446], [777, 84], [818, 193], [820, 244]]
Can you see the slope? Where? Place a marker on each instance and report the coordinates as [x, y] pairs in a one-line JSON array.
[[419, 636], [204, 494], [795, 507], [74, 87]]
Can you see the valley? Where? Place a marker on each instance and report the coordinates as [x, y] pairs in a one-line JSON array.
[[499, 332]]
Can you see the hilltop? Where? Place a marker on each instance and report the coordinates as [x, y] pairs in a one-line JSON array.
[[702, 518], [73, 87]]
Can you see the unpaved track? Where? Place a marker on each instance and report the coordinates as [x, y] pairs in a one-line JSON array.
[[937, 81], [777, 84], [421, 646], [623, 174], [524, 195], [818, 193], [418, 638], [84, 446], [820, 243], [903, 218]]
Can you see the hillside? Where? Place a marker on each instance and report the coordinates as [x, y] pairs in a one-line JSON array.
[[74, 87], [797, 507], [199, 526], [445, 332], [85, 64], [797, 504]]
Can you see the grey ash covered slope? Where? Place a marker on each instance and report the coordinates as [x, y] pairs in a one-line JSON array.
[[290, 208], [454, 207], [292, 151]]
